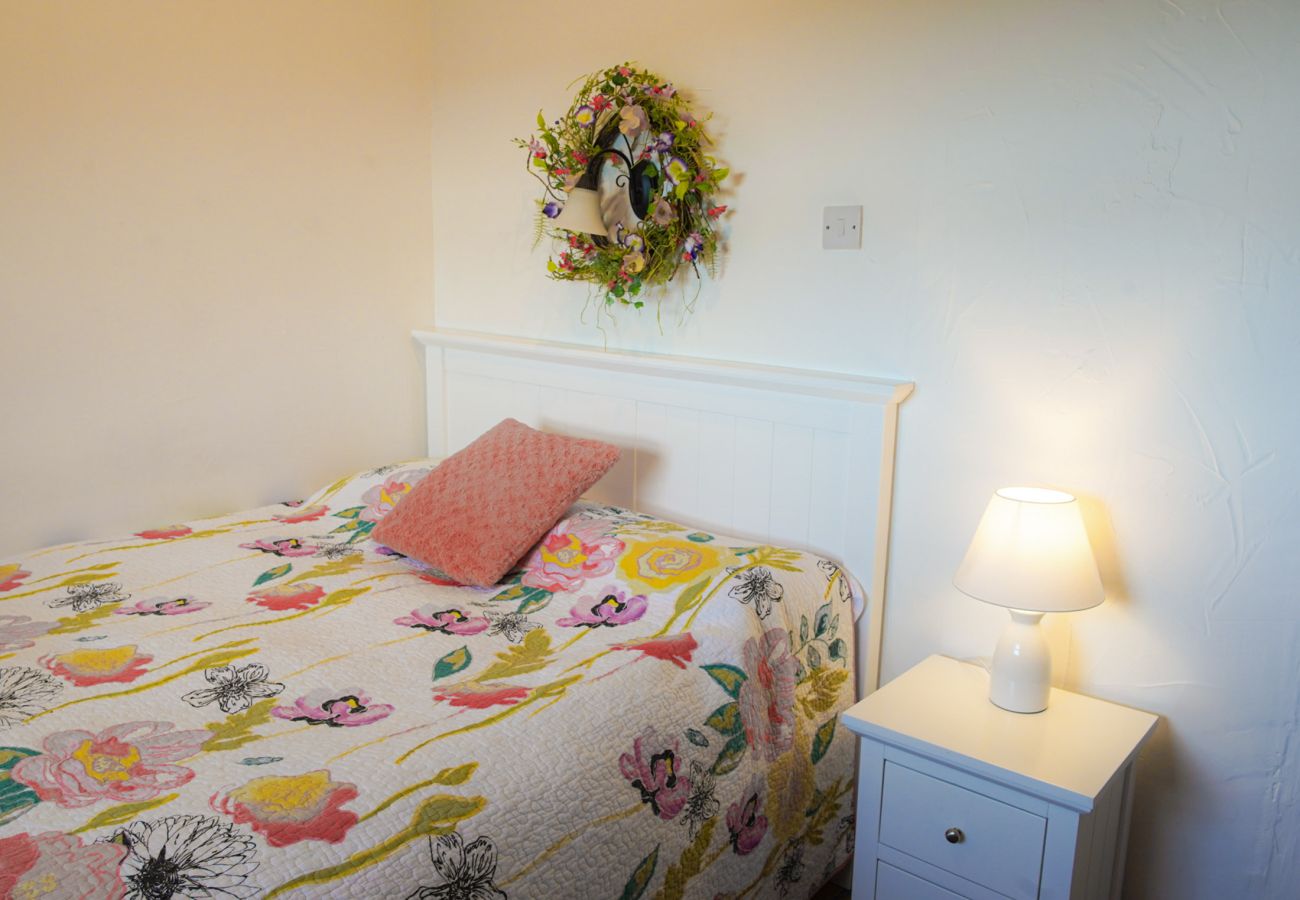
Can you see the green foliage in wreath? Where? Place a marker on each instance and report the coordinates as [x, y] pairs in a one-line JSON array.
[[625, 106]]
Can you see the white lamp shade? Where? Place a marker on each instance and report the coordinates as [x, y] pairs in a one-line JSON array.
[[1031, 552], [581, 213]]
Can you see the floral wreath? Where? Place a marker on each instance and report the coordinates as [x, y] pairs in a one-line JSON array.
[[631, 137]]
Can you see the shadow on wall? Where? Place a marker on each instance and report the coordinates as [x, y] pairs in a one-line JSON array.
[[1162, 783], [1105, 548]]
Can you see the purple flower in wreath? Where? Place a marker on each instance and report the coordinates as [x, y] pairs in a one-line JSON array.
[[345, 708], [585, 115], [551, 209], [676, 170], [655, 769], [614, 608], [448, 621], [691, 248], [663, 142]]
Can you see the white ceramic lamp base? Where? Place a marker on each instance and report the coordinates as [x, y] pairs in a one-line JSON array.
[[1021, 677]]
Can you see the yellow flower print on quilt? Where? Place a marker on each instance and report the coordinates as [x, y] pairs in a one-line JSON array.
[[665, 562]]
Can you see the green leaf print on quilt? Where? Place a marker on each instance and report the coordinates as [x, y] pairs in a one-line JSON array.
[[15, 797], [353, 523], [437, 815], [731, 755], [272, 574], [453, 662], [640, 880], [124, 812], [83, 620], [519, 659], [730, 677], [690, 864], [690, 598], [238, 729], [725, 720], [822, 740], [530, 599]]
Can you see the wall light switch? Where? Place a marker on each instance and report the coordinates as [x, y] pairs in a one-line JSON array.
[[842, 228]]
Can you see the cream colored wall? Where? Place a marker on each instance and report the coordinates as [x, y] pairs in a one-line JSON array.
[[1082, 234], [215, 231]]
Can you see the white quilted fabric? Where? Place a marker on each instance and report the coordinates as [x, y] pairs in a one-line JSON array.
[[269, 704]]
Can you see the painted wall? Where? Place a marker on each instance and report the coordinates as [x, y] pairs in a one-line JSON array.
[[215, 228], [1082, 240]]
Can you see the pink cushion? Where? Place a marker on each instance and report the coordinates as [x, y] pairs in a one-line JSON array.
[[483, 508]]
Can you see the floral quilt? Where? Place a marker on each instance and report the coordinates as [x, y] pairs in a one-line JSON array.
[[270, 704]]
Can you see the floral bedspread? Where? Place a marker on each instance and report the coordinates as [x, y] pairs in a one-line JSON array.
[[270, 704]]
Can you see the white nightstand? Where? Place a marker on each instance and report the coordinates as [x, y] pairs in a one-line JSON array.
[[958, 798]]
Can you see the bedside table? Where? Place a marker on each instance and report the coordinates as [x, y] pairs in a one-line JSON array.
[[958, 798]]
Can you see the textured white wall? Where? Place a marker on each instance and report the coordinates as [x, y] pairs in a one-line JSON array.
[[215, 224], [1082, 240]]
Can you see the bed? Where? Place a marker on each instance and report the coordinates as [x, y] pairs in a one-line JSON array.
[[272, 704]]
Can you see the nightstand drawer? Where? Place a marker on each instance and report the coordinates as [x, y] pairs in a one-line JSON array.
[[993, 844], [895, 884]]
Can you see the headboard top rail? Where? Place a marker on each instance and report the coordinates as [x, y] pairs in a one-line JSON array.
[[844, 386]]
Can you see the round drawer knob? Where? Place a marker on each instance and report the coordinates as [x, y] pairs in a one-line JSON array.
[[954, 836]]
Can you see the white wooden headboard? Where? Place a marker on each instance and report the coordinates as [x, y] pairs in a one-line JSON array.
[[794, 457]]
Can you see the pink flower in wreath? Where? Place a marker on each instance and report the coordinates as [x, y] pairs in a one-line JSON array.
[[346, 708], [126, 763], [567, 557], [12, 575], [767, 694], [303, 514], [165, 533], [381, 498], [288, 596], [472, 695], [59, 865], [448, 621], [656, 768], [292, 808]]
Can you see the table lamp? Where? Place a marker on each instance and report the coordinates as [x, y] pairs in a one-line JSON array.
[[1030, 554]]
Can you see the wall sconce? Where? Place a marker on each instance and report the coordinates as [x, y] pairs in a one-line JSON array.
[[599, 206]]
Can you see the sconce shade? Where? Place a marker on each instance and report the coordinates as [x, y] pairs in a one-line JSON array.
[[1031, 552], [581, 213]]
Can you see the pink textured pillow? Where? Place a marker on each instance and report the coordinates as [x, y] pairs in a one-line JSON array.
[[478, 512]]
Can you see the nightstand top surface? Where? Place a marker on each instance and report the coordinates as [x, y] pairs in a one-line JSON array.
[[941, 708]]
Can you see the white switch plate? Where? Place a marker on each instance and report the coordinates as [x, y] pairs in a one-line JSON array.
[[842, 228]]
